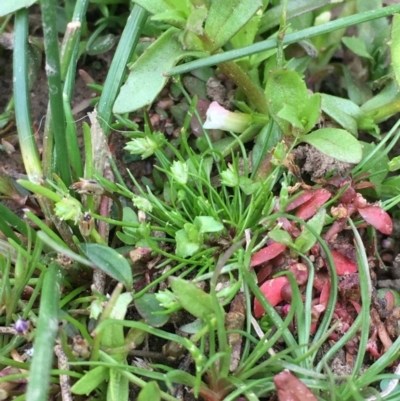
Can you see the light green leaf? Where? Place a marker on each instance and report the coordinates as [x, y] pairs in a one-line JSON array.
[[175, 18], [343, 111], [291, 114], [109, 261], [336, 143], [285, 89], [191, 298], [207, 224], [8, 7], [150, 391], [90, 381], [306, 240], [281, 236], [357, 46], [395, 47], [146, 78], [311, 112], [186, 242], [118, 386], [162, 6], [225, 18]]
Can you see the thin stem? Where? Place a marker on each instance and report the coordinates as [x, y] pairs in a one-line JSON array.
[[289, 39]]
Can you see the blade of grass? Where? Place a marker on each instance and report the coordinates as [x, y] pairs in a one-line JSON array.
[[29, 151], [53, 71], [289, 39], [117, 71], [46, 331]]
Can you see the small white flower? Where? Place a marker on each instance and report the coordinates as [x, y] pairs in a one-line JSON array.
[[220, 118]]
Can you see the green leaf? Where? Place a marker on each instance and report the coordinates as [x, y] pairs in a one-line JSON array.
[[8, 7], [311, 112], [146, 78], [281, 236], [207, 224], [118, 386], [102, 44], [175, 18], [91, 380], [336, 143], [343, 111], [291, 114], [188, 241], [191, 298], [109, 261], [150, 391], [285, 92], [148, 307], [162, 6], [395, 47], [357, 46], [306, 240], [225, 18]]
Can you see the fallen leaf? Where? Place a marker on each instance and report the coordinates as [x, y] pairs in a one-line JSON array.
[[290, 388], [309, 208], [302, 198], [378, 218], [269, 252], [342, 264], [272, 291]]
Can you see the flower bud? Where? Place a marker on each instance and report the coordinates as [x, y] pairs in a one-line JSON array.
[[229, 177], [179, 171], [86, 224], [220, 118], [145, 146], [68, 208]]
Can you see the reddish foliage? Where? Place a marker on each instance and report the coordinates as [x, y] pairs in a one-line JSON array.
[[290, 388], [342, 264], [269, 252], [272, 290], [309, 208], [302, 198], [378, 218]]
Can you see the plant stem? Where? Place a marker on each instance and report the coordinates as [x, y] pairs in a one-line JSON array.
[[289, 39], [250, 89]]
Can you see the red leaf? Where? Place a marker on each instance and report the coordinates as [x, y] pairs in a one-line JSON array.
[[378, 218], [290, 388], [309, 208], [272, 291], [342, 264], [269, 252], [325, 292], [302, 198]]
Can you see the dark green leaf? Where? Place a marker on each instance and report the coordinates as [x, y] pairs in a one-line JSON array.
[[109, 261], [148, 308]]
